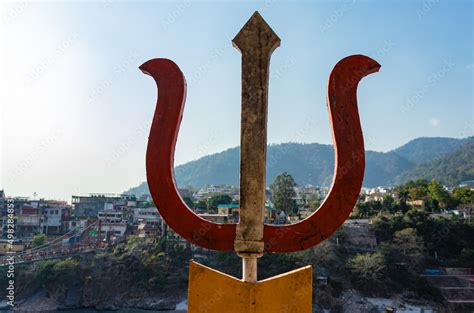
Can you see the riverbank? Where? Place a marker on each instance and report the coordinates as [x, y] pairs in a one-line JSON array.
[[137, 276], [352, 302], [105, 281]]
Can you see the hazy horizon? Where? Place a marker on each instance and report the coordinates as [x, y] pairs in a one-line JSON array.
[[76, 111]]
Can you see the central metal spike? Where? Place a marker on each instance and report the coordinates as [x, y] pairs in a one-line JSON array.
[[256, 41]]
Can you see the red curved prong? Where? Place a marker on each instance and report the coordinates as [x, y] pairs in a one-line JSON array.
[[349, 162], [160, 161]]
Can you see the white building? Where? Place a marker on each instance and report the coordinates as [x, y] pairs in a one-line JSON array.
[[112, 231], [113, 224], [111, 217], [146, 214], [52, 220]]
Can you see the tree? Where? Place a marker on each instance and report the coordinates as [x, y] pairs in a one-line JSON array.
[[415, 218], [431, 205], [321, 255], [409, 245], [412, 190], [201, 206], [38, 240], [361, 210], [367, 269], [283, 193], [312, 201], [214, 201], [382, 230], [402, 195], [388, 204], [438, 193], [463, 195], [418, 192]]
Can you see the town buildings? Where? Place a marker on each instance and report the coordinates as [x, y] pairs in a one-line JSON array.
[[102, 219]]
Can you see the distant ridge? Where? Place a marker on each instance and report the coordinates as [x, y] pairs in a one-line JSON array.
[[451, 169], [314, 164], [424, 149]]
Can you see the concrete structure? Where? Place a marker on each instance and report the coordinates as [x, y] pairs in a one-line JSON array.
[[231, 210], [149, 231], [5, 247], [17, 203], [52, 220], [111, 232], [29, 221], [110, 217], [359, 233], [146, 214], [89, 206], [112, 225]]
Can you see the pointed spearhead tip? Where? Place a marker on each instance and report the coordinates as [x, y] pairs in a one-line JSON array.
[[254, 27]]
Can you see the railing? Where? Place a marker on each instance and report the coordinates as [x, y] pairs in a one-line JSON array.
[[55, 248]]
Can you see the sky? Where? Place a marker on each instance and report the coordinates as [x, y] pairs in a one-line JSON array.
[[76, 111]]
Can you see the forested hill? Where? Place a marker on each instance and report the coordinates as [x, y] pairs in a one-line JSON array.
[[446, 159], [449, 169], [422, 150]]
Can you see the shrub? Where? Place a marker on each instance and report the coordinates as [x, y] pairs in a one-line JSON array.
[[38, 240], [367, 270]]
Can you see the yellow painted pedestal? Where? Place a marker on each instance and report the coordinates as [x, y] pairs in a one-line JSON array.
[[211, 291]]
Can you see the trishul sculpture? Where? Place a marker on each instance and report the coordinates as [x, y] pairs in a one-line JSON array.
[[212, 291]]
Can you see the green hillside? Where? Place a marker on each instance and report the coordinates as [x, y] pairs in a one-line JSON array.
[[450, 169], [423, 149], [446, 159]]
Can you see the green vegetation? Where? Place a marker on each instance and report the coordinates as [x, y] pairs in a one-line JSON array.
[[156, 266], [425, 149], [56, 271], [210, 204], [409, 246], [214, 201], [411, 237], [447, 160], [428, 196], [201, 205], [283, 193], [463, 195], [367, 270], [38, 240], [450, 170]]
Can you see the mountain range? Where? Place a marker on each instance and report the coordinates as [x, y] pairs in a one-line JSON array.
[[448, 160]]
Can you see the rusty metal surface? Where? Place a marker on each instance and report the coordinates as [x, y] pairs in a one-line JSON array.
[[211, 291], [256, 41]]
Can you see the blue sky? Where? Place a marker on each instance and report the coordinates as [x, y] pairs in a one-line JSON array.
[[76, 110]]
